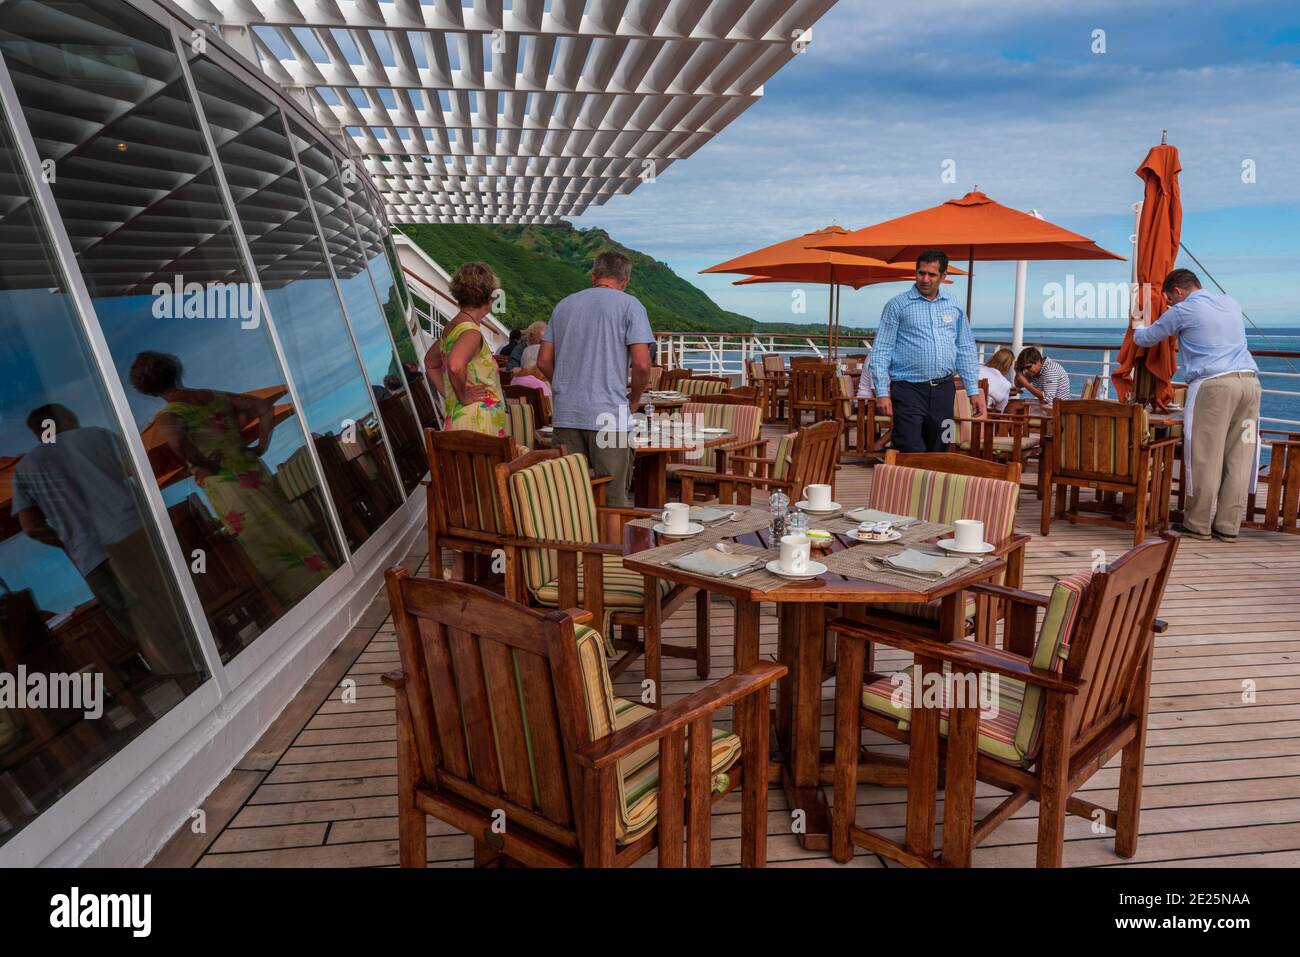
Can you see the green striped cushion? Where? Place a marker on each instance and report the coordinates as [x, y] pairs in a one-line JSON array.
[[1014, 733], [701, 387], [638, 773], [520, 425], [784, 454], [624, 591], [552, 500]]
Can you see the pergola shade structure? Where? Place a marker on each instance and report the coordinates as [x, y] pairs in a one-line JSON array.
[[478, 113]]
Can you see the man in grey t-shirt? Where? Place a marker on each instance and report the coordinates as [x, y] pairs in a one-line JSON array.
[[593, 338]]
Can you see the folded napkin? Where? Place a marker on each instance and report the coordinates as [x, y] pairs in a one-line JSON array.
[[710, 561], [707, 514], [875, 515], [927, 566]]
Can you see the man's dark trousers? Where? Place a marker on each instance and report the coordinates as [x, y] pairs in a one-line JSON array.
[[921, 410]]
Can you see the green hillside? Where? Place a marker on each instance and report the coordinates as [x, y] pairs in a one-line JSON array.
[[540, 265]]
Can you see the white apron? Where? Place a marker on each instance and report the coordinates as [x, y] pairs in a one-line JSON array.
[[1192, 389]]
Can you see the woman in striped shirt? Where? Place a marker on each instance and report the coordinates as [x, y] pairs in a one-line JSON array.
[[1045, 378]]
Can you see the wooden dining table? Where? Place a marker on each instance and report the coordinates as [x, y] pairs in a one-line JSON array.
[[650, 463], [798, 762]]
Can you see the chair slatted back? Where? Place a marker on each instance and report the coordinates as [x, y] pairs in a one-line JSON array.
[[813, 384], [1113, 637], [813, 456], [773, 362], [1096, 440], [535, 398], [754, 370], [463, 499], [673, 379], [495, 695]]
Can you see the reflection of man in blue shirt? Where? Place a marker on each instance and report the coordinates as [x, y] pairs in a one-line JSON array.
[[923, 338], [71, 491], [1221, 429]]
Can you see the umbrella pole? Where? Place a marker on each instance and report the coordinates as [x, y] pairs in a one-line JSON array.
[[970, 278]]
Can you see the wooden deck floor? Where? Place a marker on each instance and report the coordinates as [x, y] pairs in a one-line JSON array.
[[1222, 784]]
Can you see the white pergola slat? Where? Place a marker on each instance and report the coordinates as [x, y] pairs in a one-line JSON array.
[[471, 113]]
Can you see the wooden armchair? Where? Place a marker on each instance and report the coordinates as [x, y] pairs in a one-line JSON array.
[[503, 710], [802, 458], [776, 387], [742, 419], [1067, 702], [1104, 446], [1281, 477], [464, 509], [564, 551], [535, 398], [813, 388], [998, 436]]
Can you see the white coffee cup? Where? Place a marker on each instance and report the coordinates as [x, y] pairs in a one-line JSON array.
[[968, 534], [819, 497], [796, 552], [676, 516]]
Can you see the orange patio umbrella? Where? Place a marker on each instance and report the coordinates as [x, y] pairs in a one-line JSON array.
[[971, 228], [1159, 232], [805, 259]]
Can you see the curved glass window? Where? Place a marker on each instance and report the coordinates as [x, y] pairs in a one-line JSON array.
[[338, 405], [102, 89], [94, 643], [387, 376]]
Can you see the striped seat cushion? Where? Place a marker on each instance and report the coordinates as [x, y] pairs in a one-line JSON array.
[[784, 455], [624, 591], [638, 773], [701, 387], [743, 421], [1011, 713]]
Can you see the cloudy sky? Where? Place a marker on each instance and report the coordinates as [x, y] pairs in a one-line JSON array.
[[857, 129]]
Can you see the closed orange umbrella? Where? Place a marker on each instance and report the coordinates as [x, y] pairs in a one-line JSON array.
[[971, 228], [804, 259], [1160, 229]]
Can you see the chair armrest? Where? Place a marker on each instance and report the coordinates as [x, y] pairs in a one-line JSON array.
[[754, 679], [962, 654], [1011, 594], [1173, 440]]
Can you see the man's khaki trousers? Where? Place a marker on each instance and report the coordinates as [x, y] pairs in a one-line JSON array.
[[1225, 428]]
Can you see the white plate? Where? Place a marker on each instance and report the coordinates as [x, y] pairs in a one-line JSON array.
[[547, 428], [893, 536], [814, 569], [805, 507], [712, 431], [692, 528], [950, 545]]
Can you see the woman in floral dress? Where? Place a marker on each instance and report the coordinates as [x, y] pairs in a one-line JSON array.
[[461, 364], [204, 428]]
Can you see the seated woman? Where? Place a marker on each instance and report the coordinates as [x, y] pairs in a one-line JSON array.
[[995, 373], [1044, 378]]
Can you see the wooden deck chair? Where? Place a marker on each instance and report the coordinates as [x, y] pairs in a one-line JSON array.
[[1068, 700], [802, 458], [509, 731], [464, 510]]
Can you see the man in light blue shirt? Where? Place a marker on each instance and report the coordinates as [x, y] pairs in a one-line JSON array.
[[594, 339], [1221, 428], [922, 339]]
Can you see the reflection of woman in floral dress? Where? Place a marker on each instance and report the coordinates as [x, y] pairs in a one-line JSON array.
[[461, 364], [203, 427]]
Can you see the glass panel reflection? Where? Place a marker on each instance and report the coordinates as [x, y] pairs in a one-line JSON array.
[[387, 376], [84, 587], [255, 155], [375, 241], [102, 90]]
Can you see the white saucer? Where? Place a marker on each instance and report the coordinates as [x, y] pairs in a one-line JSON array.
[[814, 569], [692, 528], [805, 507], [712, 431], [950, 545], [893, 536]]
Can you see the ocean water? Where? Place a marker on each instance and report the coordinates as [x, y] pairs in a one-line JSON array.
[[1277, 410]]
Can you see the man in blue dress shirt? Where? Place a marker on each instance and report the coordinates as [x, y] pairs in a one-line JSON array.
[[1221, 427], [922, 339]]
